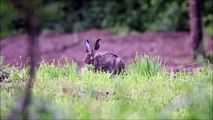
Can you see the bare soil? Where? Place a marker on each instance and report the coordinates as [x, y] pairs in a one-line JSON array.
[[175, 48]]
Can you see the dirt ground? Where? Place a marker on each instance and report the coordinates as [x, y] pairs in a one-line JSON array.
[[173, 47]]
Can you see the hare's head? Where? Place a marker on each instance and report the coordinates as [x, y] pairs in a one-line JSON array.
[[89, 59]]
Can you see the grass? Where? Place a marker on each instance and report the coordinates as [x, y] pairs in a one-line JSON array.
[[144, 91]]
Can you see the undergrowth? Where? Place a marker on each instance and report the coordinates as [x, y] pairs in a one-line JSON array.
[[143, 91]]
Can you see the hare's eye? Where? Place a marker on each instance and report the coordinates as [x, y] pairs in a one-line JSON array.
[[92, 59]]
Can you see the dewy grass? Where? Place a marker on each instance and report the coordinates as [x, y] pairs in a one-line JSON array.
[[144, 91]]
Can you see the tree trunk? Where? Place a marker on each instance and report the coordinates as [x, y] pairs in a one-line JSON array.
[[32, 28], [196, 34]]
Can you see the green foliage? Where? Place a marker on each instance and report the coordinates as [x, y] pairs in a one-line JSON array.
[[52, 72], [208, 17], [143, 91], [121, 17], [8, 16], [147, 65]]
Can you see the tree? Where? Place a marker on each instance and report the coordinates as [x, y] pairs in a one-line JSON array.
[[31, 25], [195, 21]]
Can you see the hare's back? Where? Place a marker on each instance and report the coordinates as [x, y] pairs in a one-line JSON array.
[[105, 56], [108, 61], [108, 58]]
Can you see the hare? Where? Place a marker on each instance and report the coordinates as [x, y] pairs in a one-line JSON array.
[[103, 61]]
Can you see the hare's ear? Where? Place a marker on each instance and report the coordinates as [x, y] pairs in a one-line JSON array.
[[87, 46], [97, 44]]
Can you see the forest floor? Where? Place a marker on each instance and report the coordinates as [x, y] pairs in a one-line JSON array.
[[174, 48]]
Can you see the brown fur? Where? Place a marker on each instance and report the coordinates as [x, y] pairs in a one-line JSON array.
[[104, 61]]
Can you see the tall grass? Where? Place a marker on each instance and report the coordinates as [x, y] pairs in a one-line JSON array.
[[144, 91]]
